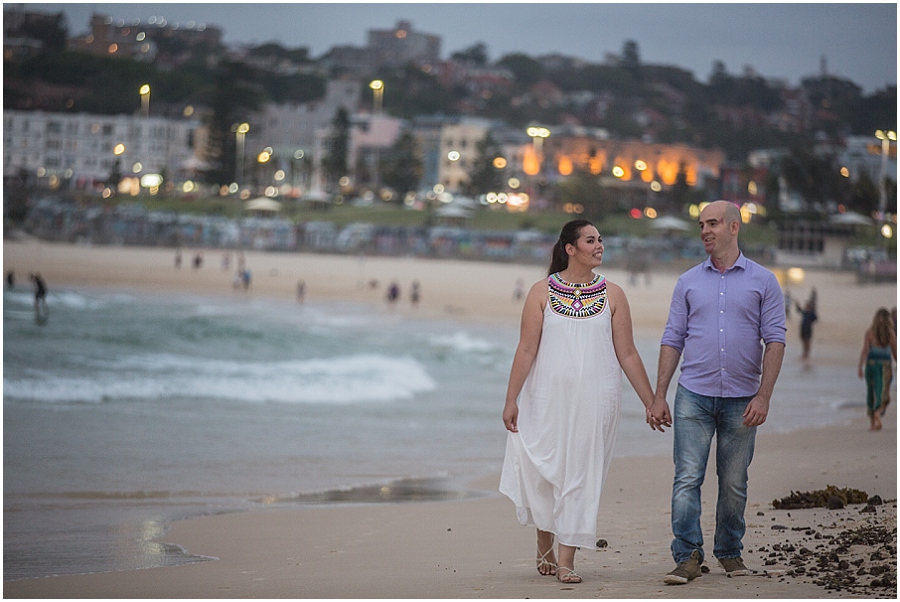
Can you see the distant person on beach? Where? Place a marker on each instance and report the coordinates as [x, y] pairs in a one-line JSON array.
[[10, 279], [415, 294], [720, 311], [788, 302], [879, 352], [564, 396], [177, 258], [519, 290], [393, 293], [807, 317], [301, 291], [198, 260], [40, 296]]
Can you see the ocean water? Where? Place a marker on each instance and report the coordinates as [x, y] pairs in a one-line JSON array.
[[126, 411]]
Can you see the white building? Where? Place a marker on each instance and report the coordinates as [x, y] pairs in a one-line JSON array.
[[79, 150], [459, 151]]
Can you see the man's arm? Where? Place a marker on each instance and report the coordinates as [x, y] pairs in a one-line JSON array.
[[758, 408]]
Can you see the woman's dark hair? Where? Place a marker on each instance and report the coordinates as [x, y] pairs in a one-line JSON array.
[[559, 260], [883, 327]]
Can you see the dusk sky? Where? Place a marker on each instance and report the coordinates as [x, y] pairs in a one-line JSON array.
[[788, 41]]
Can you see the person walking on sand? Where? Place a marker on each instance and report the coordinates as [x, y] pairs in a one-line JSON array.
[[564, 396], [720, 311], [807, 317], [879, 351]]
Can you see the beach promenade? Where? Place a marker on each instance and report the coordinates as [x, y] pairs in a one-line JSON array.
[[474, 548]]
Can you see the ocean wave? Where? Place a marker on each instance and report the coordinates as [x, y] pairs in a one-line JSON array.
[[463, 342], [338, 380]]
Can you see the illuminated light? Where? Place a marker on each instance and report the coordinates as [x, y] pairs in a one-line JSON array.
[[243, 128], [701, 207], [618, 171], [568, 208], [502, 198], [845, 172], [887, 231], [151, 180], [387, 195], [68, 173], [514, 183], [453, 155], [376, 84], [269, 150], [145, 89], [344, 181], [525, 197], [271, 191], [233, 187], [118, 149], [751, 187], [565, 166], [263, 157], [400, 33], [655, 186], [113, 48], [531, 165], [753, 208], [188, 111], [640, 165], [635, 213], [445, 197], [796, 275], [438, 188], [145, 48], [578, 208], [491, 197], [245, 194], [694, 211], [279, 175], [284, 189], [140, 36], [538, 132], [650, 212], [223, 190], [745, 215], [499, 162], [188, 186], [137, 167], [298, 154], [106, 193]]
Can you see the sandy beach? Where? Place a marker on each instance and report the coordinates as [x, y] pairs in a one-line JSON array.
[[474, 548]]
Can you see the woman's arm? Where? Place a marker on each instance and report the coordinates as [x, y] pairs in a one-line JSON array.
[[529, 341], [626, 351], [865, 353]]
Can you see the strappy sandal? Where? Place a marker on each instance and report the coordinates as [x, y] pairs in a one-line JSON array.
[[570, 577], [543, 562]]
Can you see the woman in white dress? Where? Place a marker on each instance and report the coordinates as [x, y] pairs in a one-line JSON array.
[[563, 399]]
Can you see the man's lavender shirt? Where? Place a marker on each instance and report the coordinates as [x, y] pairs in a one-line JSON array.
[[716, 321]]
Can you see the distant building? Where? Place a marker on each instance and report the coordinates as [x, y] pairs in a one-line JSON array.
[[28, 32], [459, 151], [167, 44], [79, 151], [401, 45]]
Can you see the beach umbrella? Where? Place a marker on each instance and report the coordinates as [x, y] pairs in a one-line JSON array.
[[851, 218], [262, 204], [668, 222]]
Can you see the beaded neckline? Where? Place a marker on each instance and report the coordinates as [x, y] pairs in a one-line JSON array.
[[576, 300]]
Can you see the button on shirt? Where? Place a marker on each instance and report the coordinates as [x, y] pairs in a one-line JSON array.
[[720, 322]]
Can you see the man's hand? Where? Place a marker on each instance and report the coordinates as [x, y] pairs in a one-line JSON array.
[[658, 414], [756, 412]]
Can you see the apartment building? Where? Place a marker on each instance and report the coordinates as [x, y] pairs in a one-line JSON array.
[[79, 151]]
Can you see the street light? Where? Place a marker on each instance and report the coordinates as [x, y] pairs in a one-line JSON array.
[[145, 100], [885, 137], [378, 90], [537, 138], [240, 130]]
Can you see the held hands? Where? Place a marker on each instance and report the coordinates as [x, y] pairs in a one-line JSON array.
[[658, 414]]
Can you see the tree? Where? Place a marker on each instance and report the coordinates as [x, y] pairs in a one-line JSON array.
[[475, 55], [486, 177], [401, 168], [526, 70], [583, 188], [631, 58], [334, 164]]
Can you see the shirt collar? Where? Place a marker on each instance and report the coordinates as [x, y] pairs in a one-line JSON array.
[[740, 263]]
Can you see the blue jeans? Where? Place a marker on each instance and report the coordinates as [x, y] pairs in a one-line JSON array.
[[696, 419]]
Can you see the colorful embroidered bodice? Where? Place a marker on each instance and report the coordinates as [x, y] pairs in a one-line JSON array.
[[576, 300]]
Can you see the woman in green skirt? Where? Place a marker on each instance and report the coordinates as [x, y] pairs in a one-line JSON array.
[[876, 365]]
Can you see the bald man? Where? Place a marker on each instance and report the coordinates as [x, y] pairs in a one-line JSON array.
[[727, 324]]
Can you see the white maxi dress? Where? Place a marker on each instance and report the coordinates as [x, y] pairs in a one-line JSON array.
[[555, 466]]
